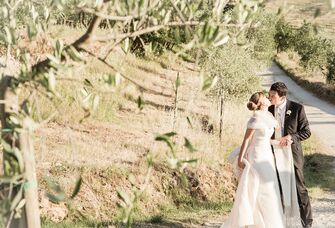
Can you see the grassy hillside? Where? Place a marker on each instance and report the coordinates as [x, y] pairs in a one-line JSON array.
[[298, 11], [114, 142]]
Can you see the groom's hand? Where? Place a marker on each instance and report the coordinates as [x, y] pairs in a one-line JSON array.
[[286, 140]]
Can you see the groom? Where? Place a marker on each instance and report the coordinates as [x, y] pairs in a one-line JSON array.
[[295, 128]]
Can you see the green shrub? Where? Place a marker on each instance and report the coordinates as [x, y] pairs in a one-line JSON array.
[[285, 36], [312, 49], [315, 52], [158, 42], [235, 68], [331, 68], [262, 37]]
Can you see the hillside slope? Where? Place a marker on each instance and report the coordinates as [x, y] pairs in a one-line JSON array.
[[298, 11], [107, 147]]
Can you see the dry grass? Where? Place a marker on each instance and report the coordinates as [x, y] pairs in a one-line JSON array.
[[115, 140], [319, 167], [291, 60], [298, 11], [157, 116], [118, 110]]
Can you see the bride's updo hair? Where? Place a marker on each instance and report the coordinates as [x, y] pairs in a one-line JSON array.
[[254, 101]]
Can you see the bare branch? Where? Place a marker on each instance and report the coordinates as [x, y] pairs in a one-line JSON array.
[[119, 18], [107, 53], [109, 65], [156, 28], [146, 30], [105, 16], [86, 38], [180, 14], [141, 87]]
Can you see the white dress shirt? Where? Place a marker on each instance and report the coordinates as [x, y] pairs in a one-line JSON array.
[[280, 115]]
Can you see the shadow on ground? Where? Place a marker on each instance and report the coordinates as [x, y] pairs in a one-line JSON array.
[[319, 171]]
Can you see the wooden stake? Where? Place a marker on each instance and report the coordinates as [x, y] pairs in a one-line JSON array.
[[221, 113], [177, 84], [30, 187], [30, 217]]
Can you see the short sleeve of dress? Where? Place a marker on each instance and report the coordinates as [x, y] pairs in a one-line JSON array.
[[254, 123]]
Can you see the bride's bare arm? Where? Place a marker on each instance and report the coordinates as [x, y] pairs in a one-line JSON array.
[[247, 137]]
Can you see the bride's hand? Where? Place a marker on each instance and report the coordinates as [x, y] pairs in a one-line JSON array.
[[241, 164], [286, 140]]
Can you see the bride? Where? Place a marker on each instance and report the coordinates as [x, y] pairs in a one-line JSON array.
[[258, 200]]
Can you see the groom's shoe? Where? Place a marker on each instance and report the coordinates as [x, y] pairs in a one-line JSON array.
[[307, 224]]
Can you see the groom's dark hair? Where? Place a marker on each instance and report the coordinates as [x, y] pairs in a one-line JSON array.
[[280, 88]]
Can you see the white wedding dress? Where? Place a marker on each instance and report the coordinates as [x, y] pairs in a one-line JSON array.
[[257, 202]]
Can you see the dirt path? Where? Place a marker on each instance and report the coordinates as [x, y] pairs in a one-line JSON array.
[[321, 116]]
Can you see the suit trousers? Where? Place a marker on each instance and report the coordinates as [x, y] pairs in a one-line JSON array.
[[303, 198]]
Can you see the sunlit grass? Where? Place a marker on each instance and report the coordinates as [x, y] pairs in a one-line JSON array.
[[318, 169]]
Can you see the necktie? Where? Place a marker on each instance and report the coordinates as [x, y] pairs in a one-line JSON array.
[[278, 130]]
